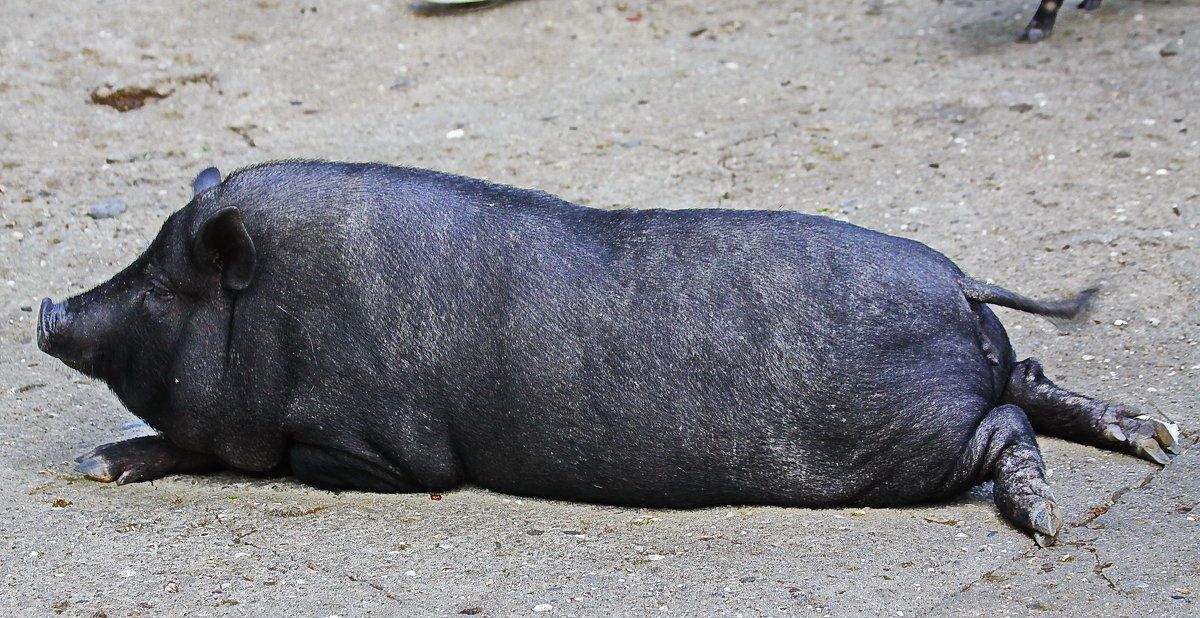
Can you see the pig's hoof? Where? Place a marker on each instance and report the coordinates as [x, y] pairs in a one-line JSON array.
[[1141, 435], [129, 461], [1046, 521], [1031, 506], [97, 467]]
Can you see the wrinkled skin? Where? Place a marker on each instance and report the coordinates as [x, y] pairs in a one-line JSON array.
[[392, 329]]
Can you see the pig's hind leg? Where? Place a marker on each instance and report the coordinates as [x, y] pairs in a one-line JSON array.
[[1058, 412], [142, 459], [1004, 449]]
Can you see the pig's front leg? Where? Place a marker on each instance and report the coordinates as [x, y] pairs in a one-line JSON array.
[[142, 459]]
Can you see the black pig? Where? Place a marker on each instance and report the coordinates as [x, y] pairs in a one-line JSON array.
[[387, 329]]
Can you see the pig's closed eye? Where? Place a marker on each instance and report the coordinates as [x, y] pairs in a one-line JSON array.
[[159, 289]]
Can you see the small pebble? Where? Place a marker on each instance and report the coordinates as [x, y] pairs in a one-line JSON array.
[[544, 607], [455, 134], [104, 209]]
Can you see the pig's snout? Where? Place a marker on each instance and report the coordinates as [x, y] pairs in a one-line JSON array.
[[50, 324], [54, 335]]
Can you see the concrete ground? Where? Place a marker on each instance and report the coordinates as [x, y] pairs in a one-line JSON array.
[[1042, 167]]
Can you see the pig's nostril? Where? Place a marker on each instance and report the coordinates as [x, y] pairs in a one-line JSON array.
[[46, 315], [48, 319]]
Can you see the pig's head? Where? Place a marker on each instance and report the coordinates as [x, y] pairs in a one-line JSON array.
[[128, 331]]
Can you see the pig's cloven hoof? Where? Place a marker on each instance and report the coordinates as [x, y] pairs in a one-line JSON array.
[[1027, 500], [97, 466], [1039, 514], [1047, 521], [1146, 437], [129, 461], [1162, 445]]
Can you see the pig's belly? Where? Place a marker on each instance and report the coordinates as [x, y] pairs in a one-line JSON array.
[[868, 443]]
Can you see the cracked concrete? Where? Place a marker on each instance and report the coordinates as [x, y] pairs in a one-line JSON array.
[[1042, 167], [1140, 553]]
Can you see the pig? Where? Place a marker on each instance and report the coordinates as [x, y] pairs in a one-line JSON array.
[[1043, 19], [388, 329]]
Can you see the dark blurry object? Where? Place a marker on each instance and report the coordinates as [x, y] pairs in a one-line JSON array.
[[1043, 20], [449, 7]]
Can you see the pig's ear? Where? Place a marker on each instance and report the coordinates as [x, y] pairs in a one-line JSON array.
[[207, 179], [223, 243]]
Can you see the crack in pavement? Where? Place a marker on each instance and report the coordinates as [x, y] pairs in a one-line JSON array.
[[1099, 571], [1142, 482], [354, 578], [1097, 511], [1083, 544]]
